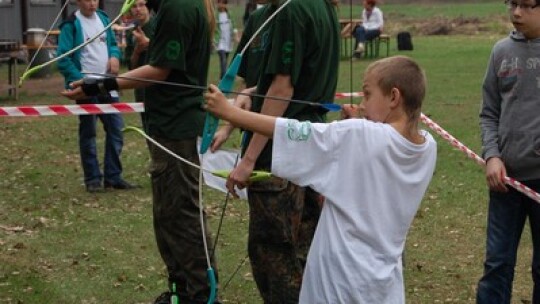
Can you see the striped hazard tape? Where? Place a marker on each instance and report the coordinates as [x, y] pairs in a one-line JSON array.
[[77, 109]]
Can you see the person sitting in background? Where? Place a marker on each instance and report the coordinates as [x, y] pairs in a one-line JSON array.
[[371, 27]]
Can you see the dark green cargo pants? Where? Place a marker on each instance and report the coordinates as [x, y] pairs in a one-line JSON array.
[[175, 189]]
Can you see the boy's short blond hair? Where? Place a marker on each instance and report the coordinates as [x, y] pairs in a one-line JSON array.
[[405, 74]]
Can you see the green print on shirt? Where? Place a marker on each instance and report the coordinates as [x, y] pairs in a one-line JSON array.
[[298, 131], [287, 50], [173, 50]]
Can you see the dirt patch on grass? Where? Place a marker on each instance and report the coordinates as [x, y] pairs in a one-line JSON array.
[[448, 26]]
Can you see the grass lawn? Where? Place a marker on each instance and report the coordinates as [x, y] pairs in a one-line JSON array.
[[59, 244]]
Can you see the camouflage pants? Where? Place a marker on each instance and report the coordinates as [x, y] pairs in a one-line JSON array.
[[175, 189], [282, 221]]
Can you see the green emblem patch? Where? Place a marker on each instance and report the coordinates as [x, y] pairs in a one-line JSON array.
[[287, 51], [298, 131], [172, 51]]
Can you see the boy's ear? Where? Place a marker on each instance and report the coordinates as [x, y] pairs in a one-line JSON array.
[[395, 98]]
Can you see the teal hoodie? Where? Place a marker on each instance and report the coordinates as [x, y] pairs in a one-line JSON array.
[[70, 37]]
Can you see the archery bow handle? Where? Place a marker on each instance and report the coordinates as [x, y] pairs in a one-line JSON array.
[[211, 122]]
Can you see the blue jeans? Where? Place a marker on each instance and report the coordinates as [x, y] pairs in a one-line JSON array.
[[363, 35], [223, 60], [506, 220], [112, 124]]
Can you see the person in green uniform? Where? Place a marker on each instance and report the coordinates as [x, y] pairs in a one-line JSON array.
[[300, 61], [137, 42], [174, 119]]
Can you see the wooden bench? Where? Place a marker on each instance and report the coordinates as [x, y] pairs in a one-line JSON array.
[[372, 46]]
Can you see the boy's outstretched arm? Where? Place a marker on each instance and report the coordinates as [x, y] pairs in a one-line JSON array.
[[217, 104]]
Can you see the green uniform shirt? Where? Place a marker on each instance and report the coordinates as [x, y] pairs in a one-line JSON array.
[[304, 44], [250, 67], [182, 43]]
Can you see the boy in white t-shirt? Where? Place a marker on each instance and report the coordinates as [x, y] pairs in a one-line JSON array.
[[100, 56], [373, 173]]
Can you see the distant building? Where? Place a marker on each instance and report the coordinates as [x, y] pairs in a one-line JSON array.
[[17, 16]]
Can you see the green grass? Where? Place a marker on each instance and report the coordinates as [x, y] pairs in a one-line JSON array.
[[59, 244]]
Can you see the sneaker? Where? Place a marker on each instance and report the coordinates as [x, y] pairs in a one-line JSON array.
[[94, 188], [121, 185], [164, 298], [359, 48]]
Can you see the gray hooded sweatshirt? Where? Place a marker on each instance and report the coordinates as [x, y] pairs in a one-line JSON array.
[[510, 114]]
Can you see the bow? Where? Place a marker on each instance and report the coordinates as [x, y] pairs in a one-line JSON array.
[[225, 85], [125, 8], [211, 122], [255, 176]]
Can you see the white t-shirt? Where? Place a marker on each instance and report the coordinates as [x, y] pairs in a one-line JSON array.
[[225, 29], [94, 56], [373, 180], [375, 20]]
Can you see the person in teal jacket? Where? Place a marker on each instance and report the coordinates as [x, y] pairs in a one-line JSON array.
[[100, 56]]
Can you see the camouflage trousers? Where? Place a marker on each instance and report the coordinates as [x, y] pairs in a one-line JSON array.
[[175, 189], [282, 221]]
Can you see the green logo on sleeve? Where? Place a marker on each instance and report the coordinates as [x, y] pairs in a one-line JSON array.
[[172, 50], [287, 50], [298, 131]]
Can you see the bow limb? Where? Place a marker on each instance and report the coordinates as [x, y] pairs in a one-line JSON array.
[[125, 8], [225, 85], [255, 176], [46, 36]]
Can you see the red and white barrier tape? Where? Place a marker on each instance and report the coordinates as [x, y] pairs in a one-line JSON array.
[[470, 153], [76, 109], [89, 109], [347, 95]]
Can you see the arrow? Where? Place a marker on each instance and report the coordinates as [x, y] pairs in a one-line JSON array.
[[333, 107]]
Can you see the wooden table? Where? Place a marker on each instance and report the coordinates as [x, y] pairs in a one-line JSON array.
[[53, 36], [9, 51], [347, 27]]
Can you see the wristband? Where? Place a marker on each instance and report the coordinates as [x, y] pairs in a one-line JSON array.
[[90, 87], [96, 86], [110, 84]]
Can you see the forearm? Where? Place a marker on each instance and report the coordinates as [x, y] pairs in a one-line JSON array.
[[282, 88], [490, 114], [146, 72], [258, 123]]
